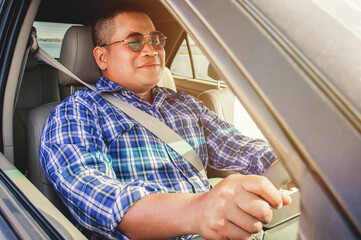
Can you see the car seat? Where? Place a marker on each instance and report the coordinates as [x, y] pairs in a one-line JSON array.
[[228, 108], [76, 55], [39, 86]]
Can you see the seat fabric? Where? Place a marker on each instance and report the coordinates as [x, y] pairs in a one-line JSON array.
[[39, 86], [35, 123]]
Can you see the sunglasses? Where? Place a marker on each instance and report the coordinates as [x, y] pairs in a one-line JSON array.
[[136, 41]]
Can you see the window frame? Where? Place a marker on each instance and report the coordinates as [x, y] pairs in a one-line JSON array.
[[11, 18], [185, 39]]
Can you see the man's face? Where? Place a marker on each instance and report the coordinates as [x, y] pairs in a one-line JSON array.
[[136, 71]]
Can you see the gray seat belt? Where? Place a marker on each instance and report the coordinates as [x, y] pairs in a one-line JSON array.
[[155, 126]]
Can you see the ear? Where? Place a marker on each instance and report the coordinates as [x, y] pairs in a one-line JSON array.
[[100, 55]]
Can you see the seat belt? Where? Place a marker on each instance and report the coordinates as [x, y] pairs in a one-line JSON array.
[[155, 126]]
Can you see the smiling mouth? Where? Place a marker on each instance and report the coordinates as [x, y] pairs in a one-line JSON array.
[[147, 66]]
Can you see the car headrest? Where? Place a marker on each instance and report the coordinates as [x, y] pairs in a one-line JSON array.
[[212, 73], [167, 80], [77, 55]]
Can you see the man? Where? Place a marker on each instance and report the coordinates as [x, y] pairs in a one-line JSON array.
[[120, 181]]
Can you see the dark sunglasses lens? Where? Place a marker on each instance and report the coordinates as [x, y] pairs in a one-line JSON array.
[[158, 40], [135, 42]]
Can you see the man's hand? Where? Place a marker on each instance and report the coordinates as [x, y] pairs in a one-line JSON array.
[[237, 206]]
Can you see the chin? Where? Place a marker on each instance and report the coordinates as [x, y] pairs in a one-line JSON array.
[[152, 78]]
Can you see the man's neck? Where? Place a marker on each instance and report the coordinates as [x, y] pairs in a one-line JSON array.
[[147, 96]]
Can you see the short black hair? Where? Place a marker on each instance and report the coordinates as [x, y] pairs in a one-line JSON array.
[[103, 24]]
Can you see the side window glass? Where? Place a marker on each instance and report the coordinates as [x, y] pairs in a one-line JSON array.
[[200, 61], [182, 64], [190, 62], [50, 36]]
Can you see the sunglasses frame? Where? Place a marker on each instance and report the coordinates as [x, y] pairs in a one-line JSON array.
[[143, 43]]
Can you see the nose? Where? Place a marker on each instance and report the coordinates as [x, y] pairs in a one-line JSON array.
[[148, 49]]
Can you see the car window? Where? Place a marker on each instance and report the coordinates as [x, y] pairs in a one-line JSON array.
[[182, 63], [190, 62], [50, 36]]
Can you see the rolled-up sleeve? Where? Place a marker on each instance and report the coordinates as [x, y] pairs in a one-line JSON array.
[[230, 150]]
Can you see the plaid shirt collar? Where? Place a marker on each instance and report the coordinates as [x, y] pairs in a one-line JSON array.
[[159, 94]]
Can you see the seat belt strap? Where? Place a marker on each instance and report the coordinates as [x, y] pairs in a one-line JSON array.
[[155, 126]]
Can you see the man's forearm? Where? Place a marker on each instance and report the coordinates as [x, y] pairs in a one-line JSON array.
[[235, 208], [161, 216]]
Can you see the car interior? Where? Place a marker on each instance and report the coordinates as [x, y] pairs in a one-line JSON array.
[[41, 87]]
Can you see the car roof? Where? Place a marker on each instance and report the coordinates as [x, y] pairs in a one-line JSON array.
[[82, 11]]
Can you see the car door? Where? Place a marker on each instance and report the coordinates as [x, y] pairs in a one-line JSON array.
[[294, 65]]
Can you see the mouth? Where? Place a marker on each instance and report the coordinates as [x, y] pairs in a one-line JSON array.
[[149, 66]]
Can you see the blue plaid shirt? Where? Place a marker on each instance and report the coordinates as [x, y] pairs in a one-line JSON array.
[[101, 162]]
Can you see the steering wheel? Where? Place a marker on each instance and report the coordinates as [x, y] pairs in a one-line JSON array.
[[283, 218], [277, 174], [284, 221]]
